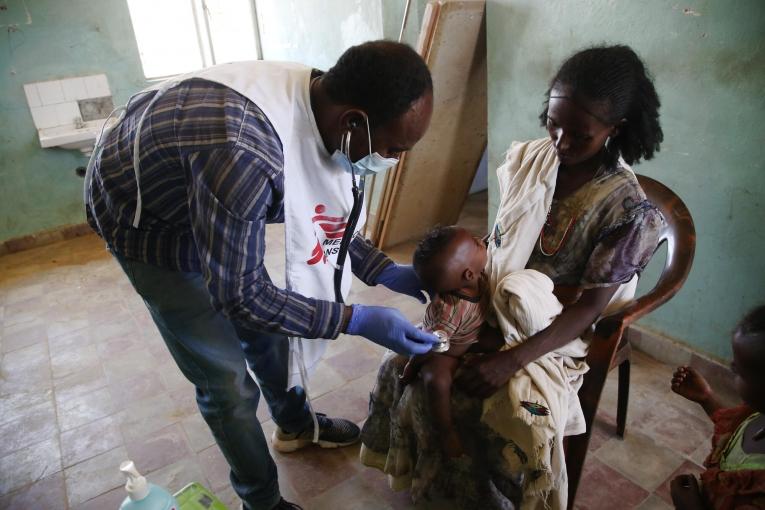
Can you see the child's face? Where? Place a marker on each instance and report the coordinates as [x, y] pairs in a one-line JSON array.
[[464, 260], [749, 367]]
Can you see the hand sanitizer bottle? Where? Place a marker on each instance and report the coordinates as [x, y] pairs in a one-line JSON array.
[[143, 495]]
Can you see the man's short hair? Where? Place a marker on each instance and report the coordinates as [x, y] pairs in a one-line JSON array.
[[383, 78]]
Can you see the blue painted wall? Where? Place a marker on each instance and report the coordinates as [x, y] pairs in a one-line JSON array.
[[708, 59]]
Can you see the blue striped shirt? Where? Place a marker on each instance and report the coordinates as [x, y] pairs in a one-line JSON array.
[[211, 179]]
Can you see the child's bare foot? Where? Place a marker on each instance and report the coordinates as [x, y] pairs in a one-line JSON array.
[[452, 444], [688, 383]]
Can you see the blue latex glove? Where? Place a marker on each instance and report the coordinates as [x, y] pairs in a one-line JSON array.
[[402, 279], [388, 327]]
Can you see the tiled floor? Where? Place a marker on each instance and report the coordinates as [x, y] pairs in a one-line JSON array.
[[86, 382]]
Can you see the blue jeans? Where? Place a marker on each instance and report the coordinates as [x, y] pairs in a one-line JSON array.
[[211, 352]]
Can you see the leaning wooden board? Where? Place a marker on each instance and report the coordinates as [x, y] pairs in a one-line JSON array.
[[430, 184]]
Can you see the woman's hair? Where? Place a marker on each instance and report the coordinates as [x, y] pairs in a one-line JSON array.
[[430, 246], [383, 78], [753, 323], [616, 76]]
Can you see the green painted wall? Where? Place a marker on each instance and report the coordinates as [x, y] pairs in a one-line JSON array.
[[38, 187], [708, 60], [67, 38]]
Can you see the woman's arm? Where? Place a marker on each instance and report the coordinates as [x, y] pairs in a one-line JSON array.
[[483, 375]]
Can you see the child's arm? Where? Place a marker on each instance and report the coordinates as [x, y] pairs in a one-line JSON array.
[[412, 368], [688, 383]]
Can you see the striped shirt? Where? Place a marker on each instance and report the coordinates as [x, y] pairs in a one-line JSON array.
[[459, 317], [211, 179]]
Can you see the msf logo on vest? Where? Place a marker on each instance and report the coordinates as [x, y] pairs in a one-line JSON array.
[[329, 232]]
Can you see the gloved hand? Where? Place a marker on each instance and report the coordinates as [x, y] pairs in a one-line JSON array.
[[402, 279], [388, 327]]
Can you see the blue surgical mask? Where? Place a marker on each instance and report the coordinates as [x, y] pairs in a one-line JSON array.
[[368, 165]]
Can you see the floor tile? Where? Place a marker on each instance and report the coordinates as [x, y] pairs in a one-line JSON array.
[[49, 493], [106, 501], [313, 470], [95, 476], [78, 384], [89, 440], [143, 417], [161, 448], [654, 502], [603, 488], [197, 432], [29, 465], [24, 336], [36, 425], [137, 388], [68, 361], [352, 494], [674, 427], [128, 365], [640, 458], [177, 475], [215, 467], [86, 408]]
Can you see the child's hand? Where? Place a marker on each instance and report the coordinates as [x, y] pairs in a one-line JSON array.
[[409, 374], [685, 493], [688, 383]]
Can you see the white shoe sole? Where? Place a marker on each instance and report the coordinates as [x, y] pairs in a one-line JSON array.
[[292, 445]]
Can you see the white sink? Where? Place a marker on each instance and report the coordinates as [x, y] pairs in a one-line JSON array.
[[72, 137]]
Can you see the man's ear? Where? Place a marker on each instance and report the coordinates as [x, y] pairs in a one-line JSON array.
[[351, 120], [468, 275]]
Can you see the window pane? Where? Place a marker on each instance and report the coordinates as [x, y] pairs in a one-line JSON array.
[[231, 29], [166, 35]]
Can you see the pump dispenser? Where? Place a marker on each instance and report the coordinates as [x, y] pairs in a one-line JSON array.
[[143, 495]]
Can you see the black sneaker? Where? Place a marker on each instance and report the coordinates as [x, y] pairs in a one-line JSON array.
[[283, 504], [333, 433]]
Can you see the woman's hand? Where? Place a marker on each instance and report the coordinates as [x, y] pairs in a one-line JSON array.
[[686, 494], [481, 376]]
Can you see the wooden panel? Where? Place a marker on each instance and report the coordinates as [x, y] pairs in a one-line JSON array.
[[430, 184]]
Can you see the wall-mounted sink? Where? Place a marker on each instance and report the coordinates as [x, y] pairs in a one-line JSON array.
[[72, 137]]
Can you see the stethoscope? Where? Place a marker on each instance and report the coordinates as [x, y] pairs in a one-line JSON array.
[[353, 219]]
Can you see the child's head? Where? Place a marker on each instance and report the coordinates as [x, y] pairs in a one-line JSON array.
[[603, 94], [749, 358], [449, 259]]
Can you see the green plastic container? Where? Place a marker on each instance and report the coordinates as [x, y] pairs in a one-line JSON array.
[[195, 497]]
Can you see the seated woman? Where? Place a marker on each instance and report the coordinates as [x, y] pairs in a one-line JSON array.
[[571, 209]]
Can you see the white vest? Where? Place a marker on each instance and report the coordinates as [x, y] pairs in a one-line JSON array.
[[317, 191]]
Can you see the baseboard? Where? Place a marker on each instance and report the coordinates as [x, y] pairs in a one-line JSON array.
[[49, 236], [675, 353]]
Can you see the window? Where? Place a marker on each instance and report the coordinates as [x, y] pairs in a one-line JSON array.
[[178, 36]]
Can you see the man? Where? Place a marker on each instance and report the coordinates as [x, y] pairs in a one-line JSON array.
[[181, 191]]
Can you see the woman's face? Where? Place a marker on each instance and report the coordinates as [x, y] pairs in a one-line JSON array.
[[576, 133]]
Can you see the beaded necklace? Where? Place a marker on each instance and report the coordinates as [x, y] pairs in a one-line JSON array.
[[543, 248]]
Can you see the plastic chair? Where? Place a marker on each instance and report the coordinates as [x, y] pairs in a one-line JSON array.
[[609, 347]]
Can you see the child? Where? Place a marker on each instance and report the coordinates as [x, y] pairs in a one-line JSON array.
[[450, 264], [735, 475]]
